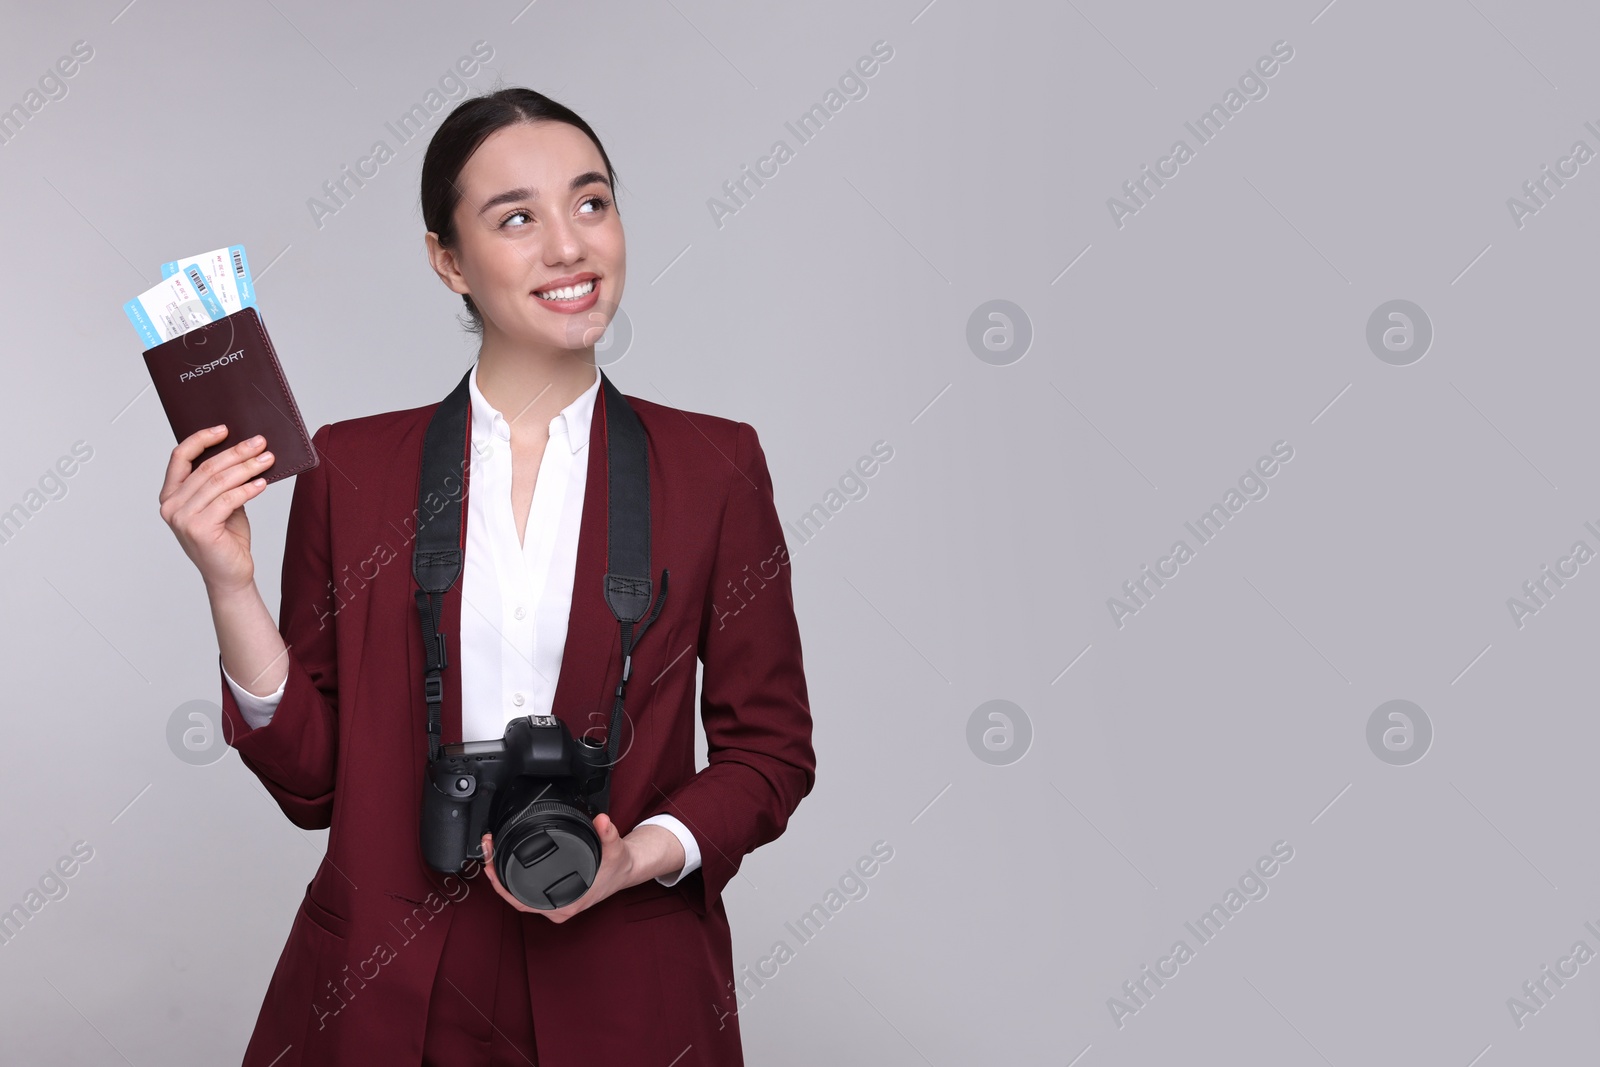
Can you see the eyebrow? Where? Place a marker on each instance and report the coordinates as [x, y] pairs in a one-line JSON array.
[[529, 193]]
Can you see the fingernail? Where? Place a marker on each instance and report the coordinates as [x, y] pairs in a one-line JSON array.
[[217, 429]]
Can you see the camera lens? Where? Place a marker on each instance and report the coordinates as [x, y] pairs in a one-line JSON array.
[[548, 855]]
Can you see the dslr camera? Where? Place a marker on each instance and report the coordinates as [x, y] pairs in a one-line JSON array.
[[537, 791]]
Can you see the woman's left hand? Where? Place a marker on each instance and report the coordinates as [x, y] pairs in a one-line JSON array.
[[617, 872]]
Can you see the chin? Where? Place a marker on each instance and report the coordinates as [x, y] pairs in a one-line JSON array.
[[582, 331], [572, 340]]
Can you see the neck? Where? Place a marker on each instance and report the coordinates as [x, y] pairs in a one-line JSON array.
[[531, 386]]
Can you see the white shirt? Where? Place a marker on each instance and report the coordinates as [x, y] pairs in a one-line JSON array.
[[515, 597]]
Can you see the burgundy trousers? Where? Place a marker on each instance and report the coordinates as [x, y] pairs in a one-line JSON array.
[[479, 1013]]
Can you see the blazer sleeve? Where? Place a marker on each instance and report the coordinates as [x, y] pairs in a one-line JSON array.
[[294, 754], [753, 700]]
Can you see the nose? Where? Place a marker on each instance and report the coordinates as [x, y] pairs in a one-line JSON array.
[[563, 244]]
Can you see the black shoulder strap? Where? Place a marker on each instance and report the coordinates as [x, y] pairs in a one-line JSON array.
[[436, 559], [627, 578], [438, 556]]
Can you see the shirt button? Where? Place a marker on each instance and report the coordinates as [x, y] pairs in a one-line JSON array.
[[521, 613], [516, 698]]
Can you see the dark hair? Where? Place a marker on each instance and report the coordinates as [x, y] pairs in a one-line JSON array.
[[460, 134]]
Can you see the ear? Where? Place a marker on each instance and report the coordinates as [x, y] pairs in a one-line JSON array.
[[444, 264]]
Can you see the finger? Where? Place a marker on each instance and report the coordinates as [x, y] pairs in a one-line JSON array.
[[220, 495], [213, 497], [228, 457], [192, 481], [488, 864], [182, 458]]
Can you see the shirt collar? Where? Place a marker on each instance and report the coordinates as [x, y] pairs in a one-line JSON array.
[[574, 419]]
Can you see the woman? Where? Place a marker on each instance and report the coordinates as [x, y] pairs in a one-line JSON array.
[[388, 961]]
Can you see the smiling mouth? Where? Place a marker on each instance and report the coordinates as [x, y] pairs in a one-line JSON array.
[[569, 292]]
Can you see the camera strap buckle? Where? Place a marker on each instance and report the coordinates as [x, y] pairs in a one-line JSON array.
[[433, 644]]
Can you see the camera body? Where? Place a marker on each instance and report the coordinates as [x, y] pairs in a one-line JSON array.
[[537, 790]]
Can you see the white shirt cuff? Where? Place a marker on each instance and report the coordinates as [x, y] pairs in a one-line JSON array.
[[257, 711], [691, 850]]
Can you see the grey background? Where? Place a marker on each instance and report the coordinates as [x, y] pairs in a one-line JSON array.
[[832, 311]]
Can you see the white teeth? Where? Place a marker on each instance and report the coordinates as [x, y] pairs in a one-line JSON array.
[[571, 292]]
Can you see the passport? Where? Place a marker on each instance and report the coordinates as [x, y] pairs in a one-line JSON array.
[[226, 371]]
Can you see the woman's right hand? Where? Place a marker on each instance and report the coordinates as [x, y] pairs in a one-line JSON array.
[[204, 505]]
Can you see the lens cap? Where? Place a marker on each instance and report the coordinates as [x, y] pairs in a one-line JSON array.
[[548, 858]]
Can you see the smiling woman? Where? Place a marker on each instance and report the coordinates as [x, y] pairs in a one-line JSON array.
[[507, 219], [519, 654]]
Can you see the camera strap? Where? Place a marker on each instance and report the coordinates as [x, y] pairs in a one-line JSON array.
[[440, 551]]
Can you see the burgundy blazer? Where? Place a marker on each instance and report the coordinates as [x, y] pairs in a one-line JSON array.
[[643, 975]]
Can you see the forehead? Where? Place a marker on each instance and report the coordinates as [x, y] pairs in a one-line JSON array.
[[543, 155]]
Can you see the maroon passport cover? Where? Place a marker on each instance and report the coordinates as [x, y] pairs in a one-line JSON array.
[[227, 372]]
